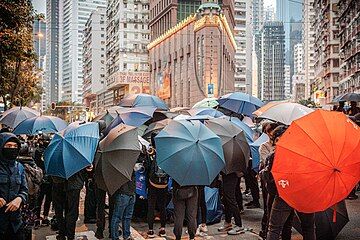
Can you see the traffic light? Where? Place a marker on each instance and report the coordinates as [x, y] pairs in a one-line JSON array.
[[53, 106]]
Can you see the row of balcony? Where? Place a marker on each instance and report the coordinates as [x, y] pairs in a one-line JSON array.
[[350, 72]]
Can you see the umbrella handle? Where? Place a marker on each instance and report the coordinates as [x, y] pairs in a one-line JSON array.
[[334, 214]]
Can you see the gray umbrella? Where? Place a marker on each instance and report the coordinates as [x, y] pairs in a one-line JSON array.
[[236, 149], [118, 153], [350, 97], [16, 115], [156, 126]]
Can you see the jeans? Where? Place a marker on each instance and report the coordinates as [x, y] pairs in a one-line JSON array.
[[44, 193], [264, 220], [281, 218], [253, 183], [59, 202], [156, 196], [202, 205], [185, 207], [238, 195], [123, 211], [230, 182], [90, 200]]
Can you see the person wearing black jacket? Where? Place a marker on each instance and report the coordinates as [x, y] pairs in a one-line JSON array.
[[13, 188]]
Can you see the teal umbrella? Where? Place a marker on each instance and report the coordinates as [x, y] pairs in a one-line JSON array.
[[16, 115], [44, 124], [189, 152]]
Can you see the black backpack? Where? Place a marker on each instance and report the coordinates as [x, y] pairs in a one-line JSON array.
[[157, 175]]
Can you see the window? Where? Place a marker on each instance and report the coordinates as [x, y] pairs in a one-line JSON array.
[[125, 25], [125, 66], [125, 35]]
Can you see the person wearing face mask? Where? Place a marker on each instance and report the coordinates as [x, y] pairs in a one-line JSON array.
[[13, 188]]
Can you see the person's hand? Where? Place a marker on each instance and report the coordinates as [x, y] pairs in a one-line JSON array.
[[2, 202], [90, 168], [14, 205]]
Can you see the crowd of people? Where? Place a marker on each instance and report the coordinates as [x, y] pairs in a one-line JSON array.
[[27, 194]]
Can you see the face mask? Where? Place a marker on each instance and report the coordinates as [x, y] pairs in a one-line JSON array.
[[10, 154]]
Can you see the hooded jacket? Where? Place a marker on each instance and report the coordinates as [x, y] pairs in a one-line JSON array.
[[12, 185]]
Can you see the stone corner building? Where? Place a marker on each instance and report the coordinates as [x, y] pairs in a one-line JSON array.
[[194, 58]]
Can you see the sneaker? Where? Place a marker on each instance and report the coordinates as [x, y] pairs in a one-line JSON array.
[[162, 232], [45, 222], [253, 205], [226, 227], [151, 234], [236, 230], [203, 228]]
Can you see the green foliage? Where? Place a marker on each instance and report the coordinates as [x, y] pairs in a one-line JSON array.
[[19, 81]]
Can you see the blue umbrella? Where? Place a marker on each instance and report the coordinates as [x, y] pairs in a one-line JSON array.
[[205, 111], [72, 149], [131, 116], [240, 103], [255, 150], [249, 133], [16, 115], [45, 124], [189, 152], [143, 100]]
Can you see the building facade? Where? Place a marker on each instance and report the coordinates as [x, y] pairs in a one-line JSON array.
[[72, 18], [349, 34], [94, 58], [194, 59], [298, 91], [52, 51], [127, 59], [39, 33], [272, 81], [243, 38], [326, 55], [287, 81], [298, 58], [308, 44], [257, 24]]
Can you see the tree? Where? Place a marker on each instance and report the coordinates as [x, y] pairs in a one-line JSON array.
[[19, 82]]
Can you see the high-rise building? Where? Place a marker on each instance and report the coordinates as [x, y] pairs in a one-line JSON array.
[[257, 24], [52, 52], [326, 44], [202, 63], [349, 34], [272, 83], [298, 58], [295, 38], [94, 58], [269, 13], [243, 38], [73, 16], [39, 32], [287, 81], [308, 43], [127, 58]]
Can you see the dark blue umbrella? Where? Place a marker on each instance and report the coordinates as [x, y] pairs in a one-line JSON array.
[[16, 115], [255, 150], [240, 103], [72, 149], [189, 152], [249, 133], [205, 111], [131, 116], [35, 125], [143, 100]]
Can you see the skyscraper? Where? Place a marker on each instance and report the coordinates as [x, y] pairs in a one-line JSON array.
[[295, 38], [73, 16], [52, 51], [271, 84], [257, 24], [287, 81], [308, 43], [243, 38]]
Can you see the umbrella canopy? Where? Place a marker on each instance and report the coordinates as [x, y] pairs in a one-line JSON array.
[[255, 154], [143, 100], [249, 133], [205, 111], [131, 116], [240, 103], [286, 113], [326, 228], [156, 126], [189, 152], [268, 106], [16, 115], [106, 116], [236, 149], [248, 121], [118, 151], [317, 161], [35, 125], [72, 149], [207, 103], [337, 98], [350, 97]]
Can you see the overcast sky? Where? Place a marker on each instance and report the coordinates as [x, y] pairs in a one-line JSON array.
[[40, 6]]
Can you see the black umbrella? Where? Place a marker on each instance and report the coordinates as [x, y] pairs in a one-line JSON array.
[[326, 228], [350, 97], [118, 153]]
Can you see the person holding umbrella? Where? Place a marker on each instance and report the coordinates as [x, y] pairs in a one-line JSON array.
[[13, 188], [354, 109]]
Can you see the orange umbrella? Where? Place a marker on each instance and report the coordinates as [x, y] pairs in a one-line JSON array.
[[317, 161], [268, 106]]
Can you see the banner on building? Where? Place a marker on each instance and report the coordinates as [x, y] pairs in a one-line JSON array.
[[136, 88], [163, 84], [210, 90], [123, 78]]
